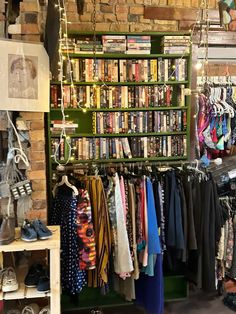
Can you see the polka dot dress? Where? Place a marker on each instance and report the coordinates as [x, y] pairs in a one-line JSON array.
[[64, 213]]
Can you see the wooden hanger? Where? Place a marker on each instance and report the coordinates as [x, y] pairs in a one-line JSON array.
[[64, 180]]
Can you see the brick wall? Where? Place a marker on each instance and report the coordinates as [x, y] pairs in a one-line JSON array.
[[111, 15], [37, 158], [2, 18], [126, 15], [29, 27]]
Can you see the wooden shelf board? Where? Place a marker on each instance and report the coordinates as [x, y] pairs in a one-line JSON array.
[[23, 293], [14, 295], [19, 245], [33, 293]]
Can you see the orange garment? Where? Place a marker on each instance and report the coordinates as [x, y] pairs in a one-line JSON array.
[[85, 231]]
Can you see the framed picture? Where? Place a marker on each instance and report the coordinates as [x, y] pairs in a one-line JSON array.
[[24, 76], [227, 11]]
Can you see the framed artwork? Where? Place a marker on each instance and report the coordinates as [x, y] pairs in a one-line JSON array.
[[227, 11], [24, 76]]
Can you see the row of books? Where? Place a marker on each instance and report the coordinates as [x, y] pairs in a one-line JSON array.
[[108, 44], [140, 122], [124, 70], [138, 44], [176, 44], [114, 43], [115, 148], [118, 96]]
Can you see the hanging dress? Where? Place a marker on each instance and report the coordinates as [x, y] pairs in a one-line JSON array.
[[64, 213]]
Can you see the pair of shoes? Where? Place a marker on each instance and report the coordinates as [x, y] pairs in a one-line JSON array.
[[9, 280], [37, 277], [33, 308], [32, 231], [7, 230]]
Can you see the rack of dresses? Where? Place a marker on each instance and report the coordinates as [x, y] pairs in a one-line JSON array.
[[216, 122], [138, 220]]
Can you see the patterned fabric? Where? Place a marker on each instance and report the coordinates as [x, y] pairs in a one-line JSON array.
[[98, 277], [162, 222], [220, 254], [129, 217], [64, 213], [230, 244], [85, 231], [123, 196], [133, 247], [139, 226]]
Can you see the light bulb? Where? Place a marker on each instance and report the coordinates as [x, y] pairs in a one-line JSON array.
[[84, 110], [198, 65]]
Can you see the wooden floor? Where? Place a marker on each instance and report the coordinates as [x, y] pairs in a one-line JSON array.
[[200, 303]]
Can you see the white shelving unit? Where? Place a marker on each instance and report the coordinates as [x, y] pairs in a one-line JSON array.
[[53, 245]]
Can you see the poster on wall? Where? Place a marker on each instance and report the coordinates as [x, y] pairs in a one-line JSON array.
[[227, 11], [24, 76]]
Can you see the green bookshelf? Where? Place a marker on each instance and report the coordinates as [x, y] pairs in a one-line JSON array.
[[175, 286]]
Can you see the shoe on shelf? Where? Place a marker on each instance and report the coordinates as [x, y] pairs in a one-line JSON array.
[[28, 232], [7, 230], [43, 285], [1, 277], [9, 281], [33, 275], [45, 310], [32, 308], [42, 230]]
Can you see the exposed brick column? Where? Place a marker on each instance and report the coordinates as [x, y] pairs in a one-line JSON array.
[[37, 159], [28, 23], [2, 18], [29, 27]]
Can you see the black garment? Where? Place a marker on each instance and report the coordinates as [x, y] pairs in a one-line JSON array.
[[208, 237], [191, 235], [175, 236], [51, 39], [184, 218], [157, 200]]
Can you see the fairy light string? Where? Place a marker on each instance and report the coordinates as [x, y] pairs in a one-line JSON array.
[[64, 78], [64, 58]]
